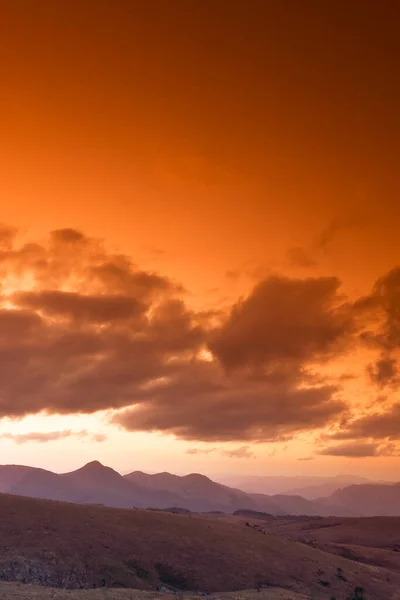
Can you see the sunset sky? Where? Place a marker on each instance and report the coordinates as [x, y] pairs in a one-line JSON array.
[[200, 239]]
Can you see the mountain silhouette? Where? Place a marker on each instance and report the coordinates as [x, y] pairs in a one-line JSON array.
[[95, 483]]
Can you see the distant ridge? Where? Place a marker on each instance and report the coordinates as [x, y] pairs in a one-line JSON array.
[[95, 483]]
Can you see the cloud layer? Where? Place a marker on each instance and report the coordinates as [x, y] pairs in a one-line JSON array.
[[51, 436], [84, 330], [240, 452]]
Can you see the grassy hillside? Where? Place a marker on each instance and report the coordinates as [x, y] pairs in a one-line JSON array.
[[68, 545], [370, 540], [15, 591]]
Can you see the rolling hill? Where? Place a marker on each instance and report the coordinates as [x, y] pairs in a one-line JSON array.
[[198, 492], [16, 591], [370, 540], [369, 500], [307, 486], [68, 545]]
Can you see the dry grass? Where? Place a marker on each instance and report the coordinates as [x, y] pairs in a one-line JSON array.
[[67, 545], [17, 591], [372, 540]]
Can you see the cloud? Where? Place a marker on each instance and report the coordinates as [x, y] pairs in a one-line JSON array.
[[99, 437], [378, 426], [379, 313], [298, 257], [203, 403], [384, 372], [88, 330], [335, 227], [241, 452], [351, 450], [7, 237], [77, 307], [201, 450], [51, 436], [361, 449], [233, 274], [71, 261], [284, 322]]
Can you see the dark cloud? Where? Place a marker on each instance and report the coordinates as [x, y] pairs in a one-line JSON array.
[[7, 237], [257, 388], [51, 436], [379, 314], [376, 326], [91, 331], [377, 426], [384, 371], [386, 296], [361, 449], [118, 275], [233, 274], [351, 450], [333, 229], [283, 322], [68, 236], [69, 260], [298, 257], [86, 308], [62, 367], [204, 403]]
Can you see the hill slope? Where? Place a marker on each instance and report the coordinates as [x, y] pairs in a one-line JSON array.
[[69, 545], [293, 485], [370, 540], [198, 492], [16, 591], [369, 500]]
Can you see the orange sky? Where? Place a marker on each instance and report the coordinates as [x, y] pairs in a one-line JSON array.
[[206, 140]]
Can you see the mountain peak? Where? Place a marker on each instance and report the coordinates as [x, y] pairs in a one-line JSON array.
[[94, 464], [94, 470], [196, 477]]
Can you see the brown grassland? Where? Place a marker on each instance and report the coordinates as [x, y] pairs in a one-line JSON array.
[[16, 591], [63, 545]]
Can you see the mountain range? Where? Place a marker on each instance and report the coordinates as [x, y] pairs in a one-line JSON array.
[[95, 483], [308, 486]]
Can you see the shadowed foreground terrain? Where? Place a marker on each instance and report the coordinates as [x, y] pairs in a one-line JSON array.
[[83, 546], [15, 591]]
